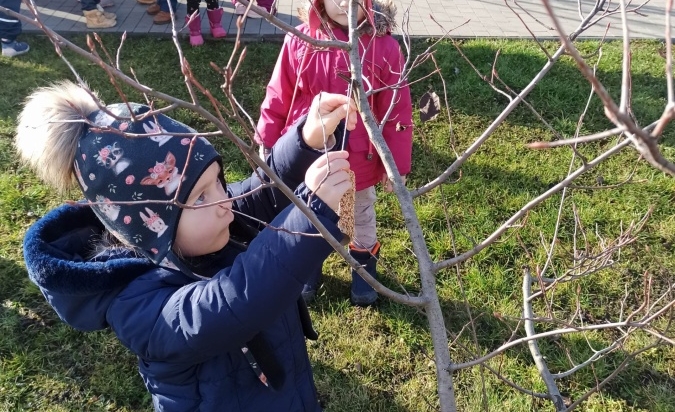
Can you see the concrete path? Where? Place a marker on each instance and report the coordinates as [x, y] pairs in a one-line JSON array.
[[465, 18]]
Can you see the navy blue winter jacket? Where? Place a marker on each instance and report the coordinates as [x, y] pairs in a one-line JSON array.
[[188, 332]]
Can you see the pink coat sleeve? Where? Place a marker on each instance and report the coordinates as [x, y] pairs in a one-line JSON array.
[[277, 104], [398, 131]]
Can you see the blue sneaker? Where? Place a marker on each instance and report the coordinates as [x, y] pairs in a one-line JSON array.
[[14, 48]]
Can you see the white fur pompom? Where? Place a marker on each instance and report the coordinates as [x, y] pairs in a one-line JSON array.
[[48, 130]]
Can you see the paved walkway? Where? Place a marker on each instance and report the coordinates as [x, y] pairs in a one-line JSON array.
[[468, 18]]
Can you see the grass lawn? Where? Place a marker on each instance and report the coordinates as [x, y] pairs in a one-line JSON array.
[[380, 359]]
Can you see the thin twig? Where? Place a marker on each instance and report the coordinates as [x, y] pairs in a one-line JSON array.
[[549, 381], [531, 204], [611, 376]]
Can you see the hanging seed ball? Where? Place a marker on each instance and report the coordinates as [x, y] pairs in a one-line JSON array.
[[346, 209]]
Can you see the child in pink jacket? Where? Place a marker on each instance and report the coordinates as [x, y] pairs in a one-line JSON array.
[[302, 71]]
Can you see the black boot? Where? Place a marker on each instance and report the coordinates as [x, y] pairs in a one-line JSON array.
[[312, 286], [362, 294]]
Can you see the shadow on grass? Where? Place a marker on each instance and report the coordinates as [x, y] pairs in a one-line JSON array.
[[560, 97], [47, 364], [342, 390], [640, 385], [360, 382]]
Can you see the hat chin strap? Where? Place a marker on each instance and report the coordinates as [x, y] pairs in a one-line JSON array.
[[176, 262]]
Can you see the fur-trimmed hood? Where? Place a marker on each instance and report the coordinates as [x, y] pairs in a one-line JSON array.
[[56, 250], [384, 15]]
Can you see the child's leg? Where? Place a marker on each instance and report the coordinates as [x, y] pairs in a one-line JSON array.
[[240, 8], [365, 225], [266, 4], [95, 18], [10, 27], [192, 6], [215, 14], [310, 289], [364, 248], [194, 23], [164, 14]]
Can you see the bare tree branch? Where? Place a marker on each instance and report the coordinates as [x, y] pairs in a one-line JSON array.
[[545, 374]]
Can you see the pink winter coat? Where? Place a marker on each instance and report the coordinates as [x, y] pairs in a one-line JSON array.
[[319, 73]]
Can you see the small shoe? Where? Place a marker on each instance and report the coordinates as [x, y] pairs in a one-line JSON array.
[[97, 20], [215, 17], [311, 288], [240, 9], [162, 17], [195, 27], [153, 9], [365, 300], [107, 15], [146, 2], [14, 48], [362, 294], [106, 3]]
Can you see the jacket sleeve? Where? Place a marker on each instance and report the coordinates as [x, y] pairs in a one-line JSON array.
[[192, 323], [398, 131], [277, 104], [289, 159]]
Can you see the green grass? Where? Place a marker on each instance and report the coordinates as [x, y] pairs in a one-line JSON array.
[[379, 359]]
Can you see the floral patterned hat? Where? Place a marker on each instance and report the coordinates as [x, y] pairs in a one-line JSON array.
[[112, 168]]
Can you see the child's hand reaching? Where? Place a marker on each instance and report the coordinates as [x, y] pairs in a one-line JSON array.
[[324, 114], [327, 177]]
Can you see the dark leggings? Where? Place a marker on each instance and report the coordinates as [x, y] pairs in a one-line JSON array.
[[10, 27], [193, 5]]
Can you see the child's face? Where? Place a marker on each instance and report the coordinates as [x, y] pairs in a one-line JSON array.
[[337, 11], [205, 230]]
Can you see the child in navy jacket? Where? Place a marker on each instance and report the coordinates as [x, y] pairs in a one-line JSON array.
[[209, 305]]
